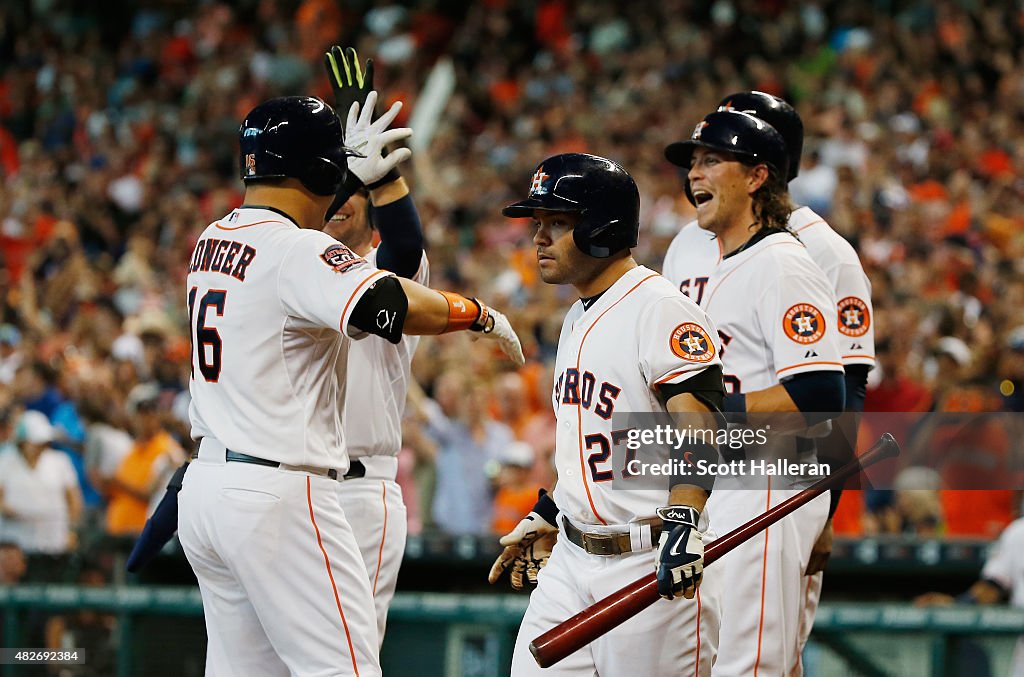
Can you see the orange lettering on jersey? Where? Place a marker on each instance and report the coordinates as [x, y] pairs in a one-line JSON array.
[[804, 323], [340, 258], [690, 342], [854, 316]]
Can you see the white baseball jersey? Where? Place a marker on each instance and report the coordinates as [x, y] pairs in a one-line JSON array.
[[267, 302], [641, 333], [840, 263], [771, 303], [694, 253], [378, 380], [692, 256]]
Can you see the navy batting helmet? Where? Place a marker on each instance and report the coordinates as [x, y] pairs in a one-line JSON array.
[[296, 137], [750, 139], [776, 112], [600, 190]]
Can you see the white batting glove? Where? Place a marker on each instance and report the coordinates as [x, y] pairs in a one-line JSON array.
[[680, 552], [527, 549], [494, 325], [370, 137]]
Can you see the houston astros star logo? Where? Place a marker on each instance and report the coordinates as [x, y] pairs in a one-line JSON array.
[[854, 316], [539, 177], [690, 342], [804, 323]]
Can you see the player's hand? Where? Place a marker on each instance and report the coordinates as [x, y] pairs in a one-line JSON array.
[[821, 551], [494, 325], [351, 84], [680, 552], [368, 137], [527, 549]]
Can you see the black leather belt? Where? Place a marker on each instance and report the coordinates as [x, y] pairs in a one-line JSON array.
[[355, 470], [605, 544]]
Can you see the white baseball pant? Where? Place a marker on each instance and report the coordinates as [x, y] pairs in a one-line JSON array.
[[284, 587], [669, 638], [762, 604], [376, 512]]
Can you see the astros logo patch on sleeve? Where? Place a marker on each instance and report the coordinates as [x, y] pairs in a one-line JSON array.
[[340, 258], [803, 323], [854, 316], [690, 342]]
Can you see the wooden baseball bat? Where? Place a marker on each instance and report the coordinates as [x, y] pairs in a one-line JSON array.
[[575, 633]]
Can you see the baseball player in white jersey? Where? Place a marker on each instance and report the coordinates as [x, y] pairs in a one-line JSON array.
[[632, 343], [271, 299], [375, 198], [780, 352], [841, 265]]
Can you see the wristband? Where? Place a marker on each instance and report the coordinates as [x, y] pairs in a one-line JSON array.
[[392, 175], [463, 313], [546, 508]]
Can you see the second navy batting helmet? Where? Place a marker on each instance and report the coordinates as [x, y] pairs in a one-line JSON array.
[[600, 190], [296, 137], [776, 112], [750, 139]]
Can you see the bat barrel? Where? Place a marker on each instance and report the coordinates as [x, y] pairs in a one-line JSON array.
[[573, 634]]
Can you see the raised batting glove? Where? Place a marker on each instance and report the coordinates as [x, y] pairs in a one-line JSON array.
[[351, 84], [370, 137], [494, 325], [680, 552], [528, 546]]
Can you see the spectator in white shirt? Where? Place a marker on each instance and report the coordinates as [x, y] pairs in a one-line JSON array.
[[40, 501]]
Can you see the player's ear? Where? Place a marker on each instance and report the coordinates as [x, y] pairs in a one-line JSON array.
[[756, 177]]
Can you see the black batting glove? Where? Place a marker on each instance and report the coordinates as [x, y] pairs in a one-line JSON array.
[[680, 552]]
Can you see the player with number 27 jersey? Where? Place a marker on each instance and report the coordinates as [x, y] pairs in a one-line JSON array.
[[614, 355]]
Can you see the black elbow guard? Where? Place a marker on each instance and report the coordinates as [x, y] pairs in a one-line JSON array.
[[382, 309]]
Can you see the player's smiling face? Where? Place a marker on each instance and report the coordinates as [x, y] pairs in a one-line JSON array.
[[722, 188], [559, 260], [350, 225]]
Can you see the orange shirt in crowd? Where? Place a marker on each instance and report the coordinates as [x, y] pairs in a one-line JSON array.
[[511, 504], [126, 514]]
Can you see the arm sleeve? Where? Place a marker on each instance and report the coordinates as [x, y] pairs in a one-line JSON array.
[[856, 386], [401, 236], [795, 316], [322, 280]]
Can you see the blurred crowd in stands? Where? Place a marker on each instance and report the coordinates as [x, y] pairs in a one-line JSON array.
[[117, 147]]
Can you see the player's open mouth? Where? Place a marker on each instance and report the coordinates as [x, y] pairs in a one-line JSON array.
[[701, 196]]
